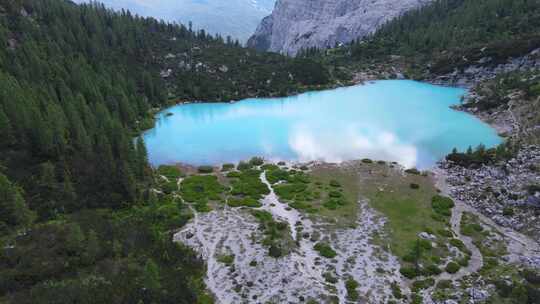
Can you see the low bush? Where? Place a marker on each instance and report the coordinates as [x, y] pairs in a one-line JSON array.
[[412, 171], [227, 167], [256, 161], [243, 166], [248, 183], [452, 267], [432, 269], [325, 250], [442, 205], [444, 284], [351, 285], [205, 169], [244, 202], [170, 172], [334, 183], [201, 187], [334, 194], [226, 259], [422, 284], [330, 278], [414, 186], [275, 251], [445, 233], [458, 244], [409, 272], [367, 161], [508, 211]]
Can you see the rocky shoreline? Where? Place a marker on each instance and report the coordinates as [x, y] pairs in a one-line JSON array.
[[506, 192]]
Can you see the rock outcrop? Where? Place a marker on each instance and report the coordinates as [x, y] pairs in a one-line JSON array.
[[301, 24]]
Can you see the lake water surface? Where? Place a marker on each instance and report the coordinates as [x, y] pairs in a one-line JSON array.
[[395, 120]]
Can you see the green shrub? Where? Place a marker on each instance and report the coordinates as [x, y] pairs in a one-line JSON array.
[[414, 186], [201, 187], [170, 172], [442, 205], [205, 169], [445, 233], [396, 290], [424, 244], [253, 263], [452, 267], [244, 202], [412, 171], [248, 183], [275, 251], [458, 244], [409, 272], [331, 205], [226, 259], [227, 167], [244, 166], [234, 174], [422, 284], [351, 285], [274, 175], [367, 161], [325, 250], [508, 211], [169, 187], [334, 194], [256, 161], [334, 183], [464, 262], [444, 284], [433, 270], [330, 278], [535, 90], [470, 229], [262, 216]]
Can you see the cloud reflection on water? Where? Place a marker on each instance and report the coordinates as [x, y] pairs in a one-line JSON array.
[[352, 143]]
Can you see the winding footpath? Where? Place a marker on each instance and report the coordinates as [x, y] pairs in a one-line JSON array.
[[519, 245]]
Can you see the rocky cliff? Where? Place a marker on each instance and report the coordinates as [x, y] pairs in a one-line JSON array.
[[299, 24]]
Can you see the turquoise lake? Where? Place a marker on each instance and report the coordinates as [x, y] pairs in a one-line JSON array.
[[394, 120]]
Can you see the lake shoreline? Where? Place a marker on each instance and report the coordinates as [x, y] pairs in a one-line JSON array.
[[363, 121]]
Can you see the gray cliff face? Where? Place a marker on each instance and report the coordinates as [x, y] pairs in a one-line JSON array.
[[300, 24]]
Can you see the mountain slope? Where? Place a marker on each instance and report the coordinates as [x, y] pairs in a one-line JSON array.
[[235, 18], [303, 24]]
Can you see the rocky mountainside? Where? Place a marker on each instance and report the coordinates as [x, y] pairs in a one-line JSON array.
[[301, 24]]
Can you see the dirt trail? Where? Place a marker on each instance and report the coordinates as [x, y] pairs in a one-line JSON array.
[[518, 245]]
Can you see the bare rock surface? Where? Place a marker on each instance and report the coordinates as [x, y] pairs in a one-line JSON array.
[[301, 24], [255, 277]]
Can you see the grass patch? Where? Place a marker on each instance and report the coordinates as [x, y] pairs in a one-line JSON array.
[[200, 188], [442, 205], [170, 172], [243, 202], [247, 183]]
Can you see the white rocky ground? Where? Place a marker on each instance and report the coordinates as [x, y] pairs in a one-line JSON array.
[[297, 277]]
